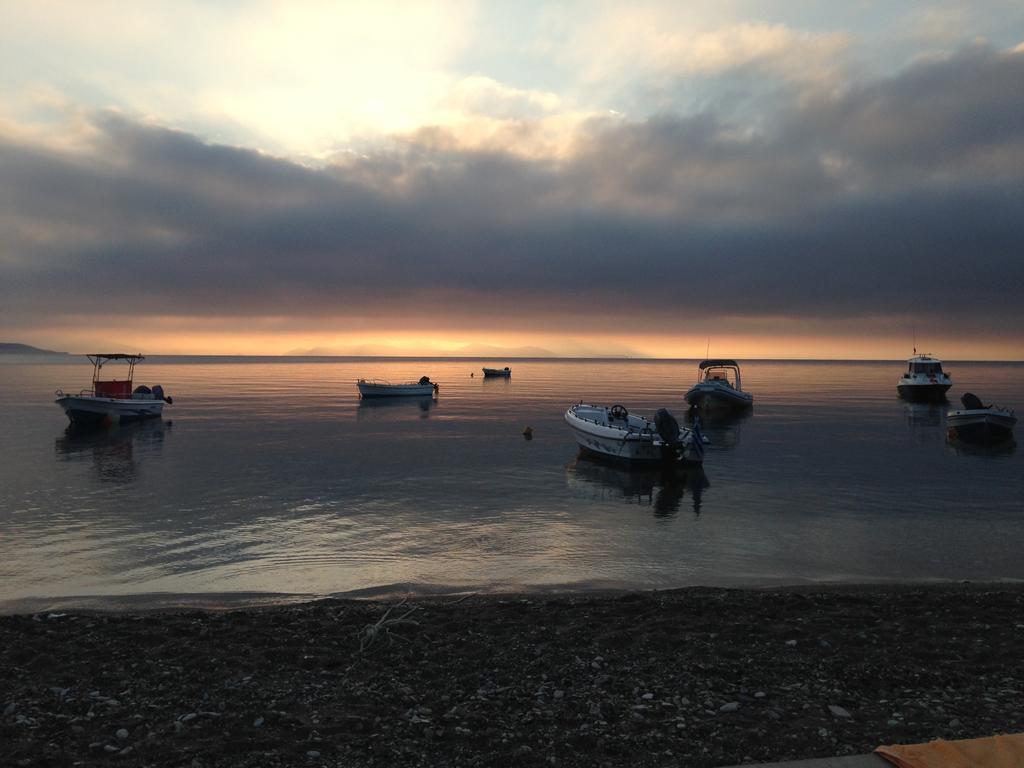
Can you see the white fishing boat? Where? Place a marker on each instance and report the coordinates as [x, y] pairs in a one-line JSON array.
[[719, 387], [111, 401], [377, 388], [924, 380], [506, 372], [613, 433], [980, 423]]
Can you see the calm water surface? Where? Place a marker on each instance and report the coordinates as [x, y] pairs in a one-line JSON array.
[[270, 476]]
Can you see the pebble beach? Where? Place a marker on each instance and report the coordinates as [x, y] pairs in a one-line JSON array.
[[695, 677]]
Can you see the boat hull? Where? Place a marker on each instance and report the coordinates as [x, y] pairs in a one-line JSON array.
[[923, 393], [88, 410], [496, 372], [717, 397], [372, 389], [986, 425]]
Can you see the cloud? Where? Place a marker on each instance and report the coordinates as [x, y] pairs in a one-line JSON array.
[[651, 41], [894, 198]]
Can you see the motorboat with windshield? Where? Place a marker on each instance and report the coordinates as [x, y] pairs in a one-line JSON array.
[[719, 387], [111, 401], [611, 432], [924, 380], [980, 423], [376, 388]]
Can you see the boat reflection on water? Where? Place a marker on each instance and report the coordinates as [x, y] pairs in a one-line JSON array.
[[993, 450], [116, 451], [662, 488], [924, 414], [722, 428], [386, 408]]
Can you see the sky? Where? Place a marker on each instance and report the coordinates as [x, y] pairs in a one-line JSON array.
[[653, 179]]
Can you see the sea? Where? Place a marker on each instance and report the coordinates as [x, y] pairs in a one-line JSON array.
[[269, 480]]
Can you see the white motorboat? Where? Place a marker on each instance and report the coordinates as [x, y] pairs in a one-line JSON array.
[[719, 387], [112, 401], [375, 388], [924, 380], [506, 372], [612, 433], [980, 423]]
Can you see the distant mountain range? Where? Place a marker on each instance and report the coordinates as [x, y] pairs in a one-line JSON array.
[[381, 350], [10, 348]]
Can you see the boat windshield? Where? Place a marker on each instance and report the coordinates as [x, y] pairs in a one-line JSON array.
[[725, 375], [929, 369]]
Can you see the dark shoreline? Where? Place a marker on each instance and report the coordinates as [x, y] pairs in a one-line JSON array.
[[695, 677]]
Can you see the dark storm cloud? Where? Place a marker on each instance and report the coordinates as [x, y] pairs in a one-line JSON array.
[[900, 196]]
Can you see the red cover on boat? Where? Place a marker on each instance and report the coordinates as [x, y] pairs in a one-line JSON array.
[[114, 389]]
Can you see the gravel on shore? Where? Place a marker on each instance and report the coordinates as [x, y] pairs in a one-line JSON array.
[[694, 677]]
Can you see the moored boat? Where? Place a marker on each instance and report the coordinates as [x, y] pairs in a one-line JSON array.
[[719, 387], [506, 372], [924, 380], [613, 433], [980, 423], [375, 388], [112, 401]]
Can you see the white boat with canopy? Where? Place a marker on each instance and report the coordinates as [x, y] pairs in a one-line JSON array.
[[375, 388], [611, 432], [719, 387], [111, 401], [924, 380]]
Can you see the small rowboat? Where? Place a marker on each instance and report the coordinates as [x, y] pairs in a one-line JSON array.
[[506, 372], [374, 388]]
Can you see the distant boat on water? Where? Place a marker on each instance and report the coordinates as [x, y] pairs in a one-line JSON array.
[[924, 380], [506, 372], [719, 387], [112, 401], [374, 388]]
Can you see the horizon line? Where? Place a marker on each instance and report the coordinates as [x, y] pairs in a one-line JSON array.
[[527, 358]]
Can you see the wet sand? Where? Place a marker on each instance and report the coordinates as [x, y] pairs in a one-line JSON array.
[[696, 677]]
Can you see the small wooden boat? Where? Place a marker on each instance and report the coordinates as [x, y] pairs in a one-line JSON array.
[[980, 423], [506, 372], [924, 381], [718, 387], [375, 388], [111, 401], [612, 433]]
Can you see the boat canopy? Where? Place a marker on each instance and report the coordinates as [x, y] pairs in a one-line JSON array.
[[718, 364], [98, 360]]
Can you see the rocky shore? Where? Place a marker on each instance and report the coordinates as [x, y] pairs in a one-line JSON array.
[[694, 677]]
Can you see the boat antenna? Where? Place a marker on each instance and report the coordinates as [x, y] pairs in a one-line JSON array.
[[913, 330], [707, 352]]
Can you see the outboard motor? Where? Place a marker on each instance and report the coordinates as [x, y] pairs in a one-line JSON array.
[[424, 379], [158, 392], [972, 402], [667, 426]]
